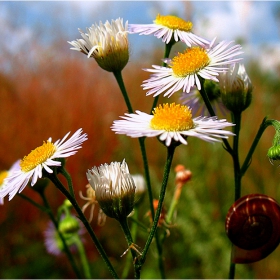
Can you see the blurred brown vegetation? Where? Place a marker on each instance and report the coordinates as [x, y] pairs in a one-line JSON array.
[[60, 91]]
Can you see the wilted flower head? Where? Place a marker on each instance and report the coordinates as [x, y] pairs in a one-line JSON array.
[[169, 27], [92, 201], [236, 88], [106, 43], [114, 188]]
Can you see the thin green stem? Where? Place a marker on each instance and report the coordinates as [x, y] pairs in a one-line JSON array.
[[170, 154], [118, 76], [141, 140], [212, 113], [236, 164], [69, 180], [236, 118], [37, 205], [47, 209], [133, 231], [167, 51], [75, 205], [83, 257], [141, 225], [127, 233], [147, 173], [265, 123]]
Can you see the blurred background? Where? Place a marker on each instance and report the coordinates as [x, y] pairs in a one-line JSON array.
[[46, 90]]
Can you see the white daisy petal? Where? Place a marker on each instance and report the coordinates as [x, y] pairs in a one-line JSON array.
[[107, 43], [166, 27], [176, 128], [181, 73], [30, 168]]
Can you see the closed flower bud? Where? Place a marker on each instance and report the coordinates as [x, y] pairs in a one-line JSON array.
[[236, 88], [69, 225], [114, 189], [274, 153]]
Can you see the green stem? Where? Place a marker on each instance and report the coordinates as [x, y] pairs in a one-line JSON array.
[[170, 154], [44, 209], [133, 231], [265, 123], [236, 118], [209, 107], [69, 180], [236, 164], [127, 233], [47, 209], [118, 76], [147, 174], [167, 51], [83, 257], [141, 140], [73, 201]]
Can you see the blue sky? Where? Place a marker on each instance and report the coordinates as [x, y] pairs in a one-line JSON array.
[[24, 23]]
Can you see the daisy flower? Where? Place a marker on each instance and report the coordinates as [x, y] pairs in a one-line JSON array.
[[4, 174], [114, 188], [184, 69], [171, 122], [194, 100], [42, 159], [169, 26], [106, 43]]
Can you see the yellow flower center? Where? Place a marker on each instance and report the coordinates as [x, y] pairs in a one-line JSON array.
[[37, 156], [173, 22], [190, 62], [3, 175], [172, 117]]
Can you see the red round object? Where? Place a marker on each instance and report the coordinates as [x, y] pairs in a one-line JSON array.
[[253, 226]]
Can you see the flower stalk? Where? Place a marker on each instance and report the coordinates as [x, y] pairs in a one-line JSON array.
[[170, 154], [59, 185]]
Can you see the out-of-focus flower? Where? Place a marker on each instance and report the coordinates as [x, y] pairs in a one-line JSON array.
[[183, 175], [42, 159], [106, 43], [162, 216], [70, 227], [92, 201], [169, 26], [140, 185], [114, 188], [194, 100], [183, 70], [236, 88], [171, 122]]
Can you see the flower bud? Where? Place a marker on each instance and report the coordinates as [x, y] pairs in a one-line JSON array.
[[114, 189], [236, 88], [69, 226]]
